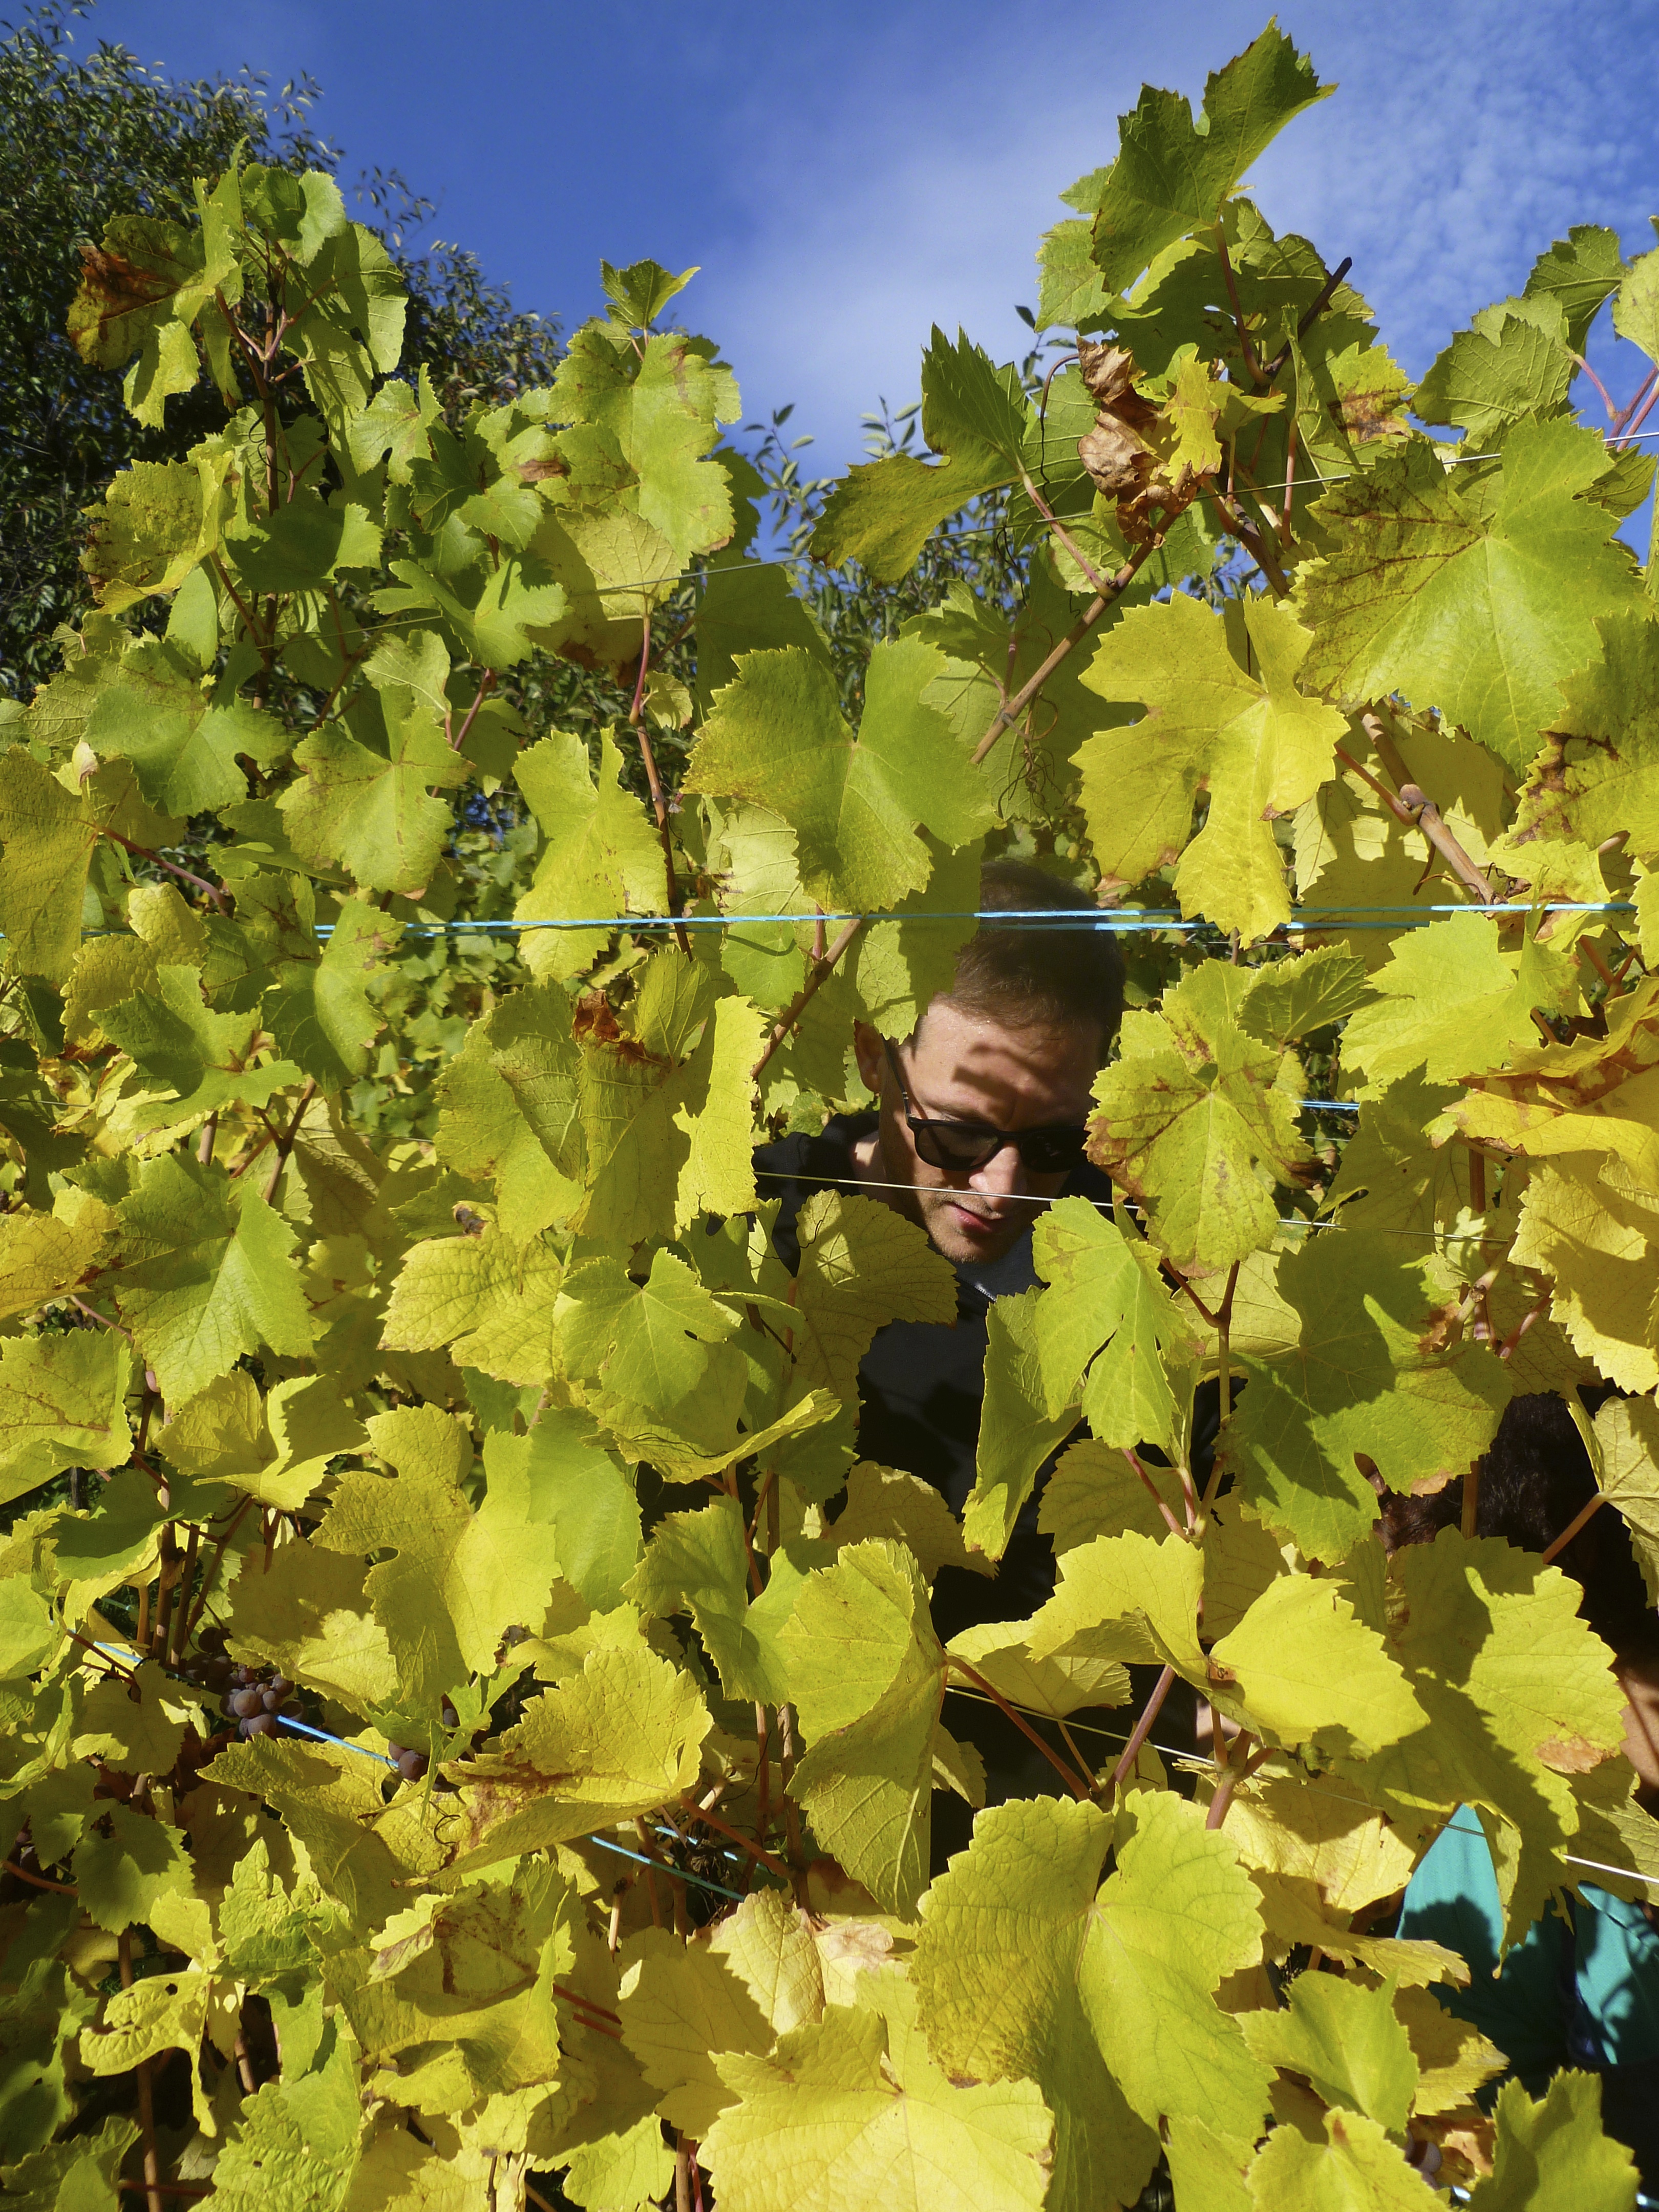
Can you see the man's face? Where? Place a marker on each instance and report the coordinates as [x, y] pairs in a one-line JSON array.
[[964, 1065]]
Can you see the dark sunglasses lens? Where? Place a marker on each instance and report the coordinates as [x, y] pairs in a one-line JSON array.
[[951, 1147], [1052, 1151]]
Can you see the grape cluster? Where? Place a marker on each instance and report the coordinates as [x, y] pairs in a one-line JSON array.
[[412, 1764], [253, 1697]]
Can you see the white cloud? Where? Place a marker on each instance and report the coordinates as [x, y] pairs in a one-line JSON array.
[[1465, 136]]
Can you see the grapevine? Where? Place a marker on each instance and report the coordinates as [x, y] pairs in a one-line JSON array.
[[472, 1714]]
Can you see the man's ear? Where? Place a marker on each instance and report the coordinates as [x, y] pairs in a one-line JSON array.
[[866, 1050]]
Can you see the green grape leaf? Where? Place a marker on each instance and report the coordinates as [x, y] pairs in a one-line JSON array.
[[484, 1297], [62, 1404], [1373, 1367], [1346, 2042], [1106, 1296], [376, 815], [73, 2176], [602, 854], [1279, 1662], [321, 1014], [851, 2108], [698, 1562], [302, 544], [307, 1615], [747, 608], [120, 1874], [278, 1451], [296, 2142], [776, 737], [883, 512], [1513, 365], [1172, 175], [1178, 1915], [867, 1677], [205, 1275], [681, 2009], [1017, 1431], [1581, 272], [1452, 1004], [1224, 718], [1600, 776], [509, 1108], [884, 1501], [1129, 1597], [1355, 2164], [615, 1741], [457, 1579], [1193, 1121], [198, 1061], [861, 1266], [146, 536], [1626, 1435], [998, 1651], [1515, 580], [155, 712], [998, 1971], [580, 1486], [1207, 2168], [1094, 1492], [1550, 2150]]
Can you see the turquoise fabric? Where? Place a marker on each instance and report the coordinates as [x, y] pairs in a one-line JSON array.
[[1453, 1900]]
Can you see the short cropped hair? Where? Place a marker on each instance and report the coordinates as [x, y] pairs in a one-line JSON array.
[[1032, 973]]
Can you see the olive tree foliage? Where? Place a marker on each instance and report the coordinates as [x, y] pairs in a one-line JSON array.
[[88, 131]]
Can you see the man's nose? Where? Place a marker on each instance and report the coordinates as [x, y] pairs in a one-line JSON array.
[[1002, 1177]]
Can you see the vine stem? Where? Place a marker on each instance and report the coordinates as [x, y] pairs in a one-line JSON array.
[[146, 2099], [658, 803], [1224, 1323], [285, 1142], [822, 971], [1422, 810], [1152, 1492], [216, 892], [1235, 1771], [1064, 535], [1079, 1790], [1143, 1728], [1115, 588], [736, 1836], [63, 1888], [1585, 1514]]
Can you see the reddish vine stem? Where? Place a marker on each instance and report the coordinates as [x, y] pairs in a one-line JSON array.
[[285, 1141], [1098, 583], [1115, 588], [200, 1606], [1585, 1513], [735, 1835], [1233, 1774], [1078, 1789], [1153, 1493], [146, 2099], [486, 685], [1143, 1728], [1423, 810], [220, 896], [658, 802], [1257, 374], [40, 1882], [792, 1013]]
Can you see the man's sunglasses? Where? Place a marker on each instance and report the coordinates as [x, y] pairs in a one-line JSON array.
[[964, 1147]]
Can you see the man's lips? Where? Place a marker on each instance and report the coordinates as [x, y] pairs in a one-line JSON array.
[[982, 1225]]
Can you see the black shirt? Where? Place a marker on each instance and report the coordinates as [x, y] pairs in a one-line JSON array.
[[921, 1384]]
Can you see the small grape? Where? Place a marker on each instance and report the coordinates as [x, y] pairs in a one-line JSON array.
[[412, 1764], [394, 1752], [281, 1684], [243, 1703], [271, 1699], [452, 1718], [215, 1672], [212, 1640], [260, 1725]]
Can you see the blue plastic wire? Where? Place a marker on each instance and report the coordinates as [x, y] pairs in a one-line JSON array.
[[322, 1735], [1118, 920]]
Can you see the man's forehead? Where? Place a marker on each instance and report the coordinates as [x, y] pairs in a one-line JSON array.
[[982, 1051]]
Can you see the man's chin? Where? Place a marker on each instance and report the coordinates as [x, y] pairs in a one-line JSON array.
[[956, 1233]]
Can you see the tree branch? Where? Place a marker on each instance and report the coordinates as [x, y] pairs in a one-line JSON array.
[[1423, 811]]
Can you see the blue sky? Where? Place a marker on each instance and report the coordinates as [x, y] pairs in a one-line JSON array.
[[848, 174]]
